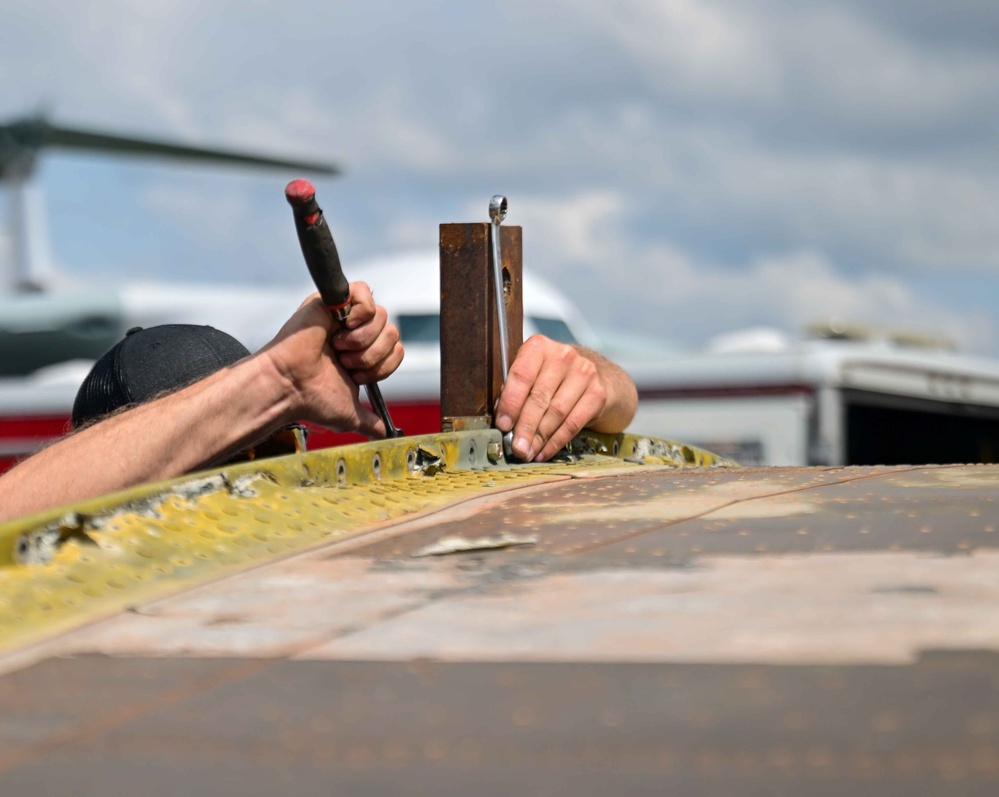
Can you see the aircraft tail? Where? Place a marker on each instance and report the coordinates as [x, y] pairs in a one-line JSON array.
[[28, 265]]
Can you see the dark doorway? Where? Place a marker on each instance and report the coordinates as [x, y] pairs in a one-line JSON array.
[[918, 432]]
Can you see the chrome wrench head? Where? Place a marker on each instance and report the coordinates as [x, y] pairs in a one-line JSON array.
[[497, 209], [497, 212]]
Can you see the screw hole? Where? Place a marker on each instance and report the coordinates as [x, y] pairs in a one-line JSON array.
[[341, 473], [376, 466], [616, 448]]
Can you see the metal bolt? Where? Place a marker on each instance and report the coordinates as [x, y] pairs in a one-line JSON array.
[[495, 452]]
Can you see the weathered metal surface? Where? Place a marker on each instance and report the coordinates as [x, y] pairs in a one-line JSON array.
[[682, 516], [471, 374], [262, 727], [767, 631], [85, 561]]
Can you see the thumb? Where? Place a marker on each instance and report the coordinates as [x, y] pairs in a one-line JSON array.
[[369, 424]]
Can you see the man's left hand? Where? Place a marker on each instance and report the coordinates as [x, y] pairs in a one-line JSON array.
[[551, 393]]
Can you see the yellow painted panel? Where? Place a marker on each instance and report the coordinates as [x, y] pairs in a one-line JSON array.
[[65, 567]]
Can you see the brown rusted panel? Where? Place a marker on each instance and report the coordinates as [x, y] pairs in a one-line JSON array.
[[673, 516], [513, 287], [306, 728], [464, 264], [820, 631], [471, 377]]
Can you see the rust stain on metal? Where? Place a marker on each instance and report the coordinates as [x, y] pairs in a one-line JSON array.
[[471, 375], [820, 631], [367, 728]]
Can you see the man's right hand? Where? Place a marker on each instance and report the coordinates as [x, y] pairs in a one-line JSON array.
[[324, 363]]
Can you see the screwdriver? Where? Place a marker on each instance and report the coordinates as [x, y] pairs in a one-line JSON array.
[[324, 265]]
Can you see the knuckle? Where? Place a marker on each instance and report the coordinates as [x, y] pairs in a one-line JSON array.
[[564, 354], [519, 371], [572, 426], [539, 400], [560, 408]]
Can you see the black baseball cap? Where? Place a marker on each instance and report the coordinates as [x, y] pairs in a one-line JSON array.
[[148, 363]]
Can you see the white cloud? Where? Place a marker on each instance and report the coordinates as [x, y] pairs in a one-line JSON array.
[[583, 242], [658, 153], [579, 228], [692, 46]]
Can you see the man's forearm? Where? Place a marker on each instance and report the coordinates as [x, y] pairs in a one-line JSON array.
[[622, 396], [204, 423]]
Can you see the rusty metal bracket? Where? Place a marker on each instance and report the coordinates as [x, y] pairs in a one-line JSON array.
[[471, 371]]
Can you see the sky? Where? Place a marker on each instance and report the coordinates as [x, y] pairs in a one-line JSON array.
[[681, 168]]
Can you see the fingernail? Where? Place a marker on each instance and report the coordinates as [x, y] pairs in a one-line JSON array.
[[522, 447], [505, 423], [530, 454]]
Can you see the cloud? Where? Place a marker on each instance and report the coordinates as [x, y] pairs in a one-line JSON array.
[[683, 296], [657, 152], [693, 47]]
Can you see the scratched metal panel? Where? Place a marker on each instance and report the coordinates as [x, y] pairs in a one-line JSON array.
[[264, 727], [682, 515], [788, 631]]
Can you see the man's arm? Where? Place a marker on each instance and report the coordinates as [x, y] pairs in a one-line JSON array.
[[553, 391], [295, 377]]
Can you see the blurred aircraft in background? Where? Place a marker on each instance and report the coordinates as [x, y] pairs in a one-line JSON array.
[[840, 396], [45, 317], [52, 328]]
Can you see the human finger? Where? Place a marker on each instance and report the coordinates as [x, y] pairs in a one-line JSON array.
[[588, 407], [363, 335], [362, 305], [374, 355], [575, 402], [368, 423], [382, 370], [519, 381], [554, 370]]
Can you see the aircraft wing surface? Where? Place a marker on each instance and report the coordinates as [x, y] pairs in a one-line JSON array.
[[417, 617]]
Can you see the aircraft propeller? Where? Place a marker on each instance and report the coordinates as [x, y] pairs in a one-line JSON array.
[[23, 139]]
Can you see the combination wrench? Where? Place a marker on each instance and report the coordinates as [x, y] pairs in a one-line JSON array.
[[497, 212]]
